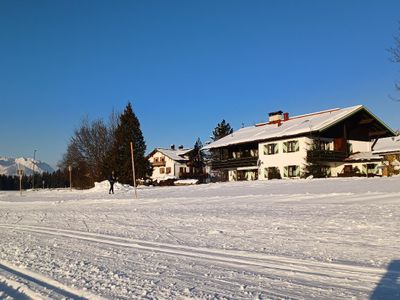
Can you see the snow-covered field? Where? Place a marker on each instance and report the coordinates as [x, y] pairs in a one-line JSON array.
[[296, 239]]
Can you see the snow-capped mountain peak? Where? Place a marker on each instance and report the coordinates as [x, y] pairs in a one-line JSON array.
[[9, 166]]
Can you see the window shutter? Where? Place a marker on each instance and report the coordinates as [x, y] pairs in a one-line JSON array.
[[266, 173], [364, 169], [297, 146], [297, 172], [265, 149], [375, 169], [285, 171], [284, 147], [328, 172], [276, 149]]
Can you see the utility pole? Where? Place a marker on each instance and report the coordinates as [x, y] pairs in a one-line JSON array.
[[33, 169]]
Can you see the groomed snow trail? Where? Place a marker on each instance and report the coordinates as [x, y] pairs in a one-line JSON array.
[[303, 239], [17, 283]]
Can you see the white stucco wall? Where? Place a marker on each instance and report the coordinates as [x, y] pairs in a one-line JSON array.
[[282, 159], [178, 166], [360, 146]]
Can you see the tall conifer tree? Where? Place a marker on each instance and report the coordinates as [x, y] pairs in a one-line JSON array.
[[128, 130], [222, 129], [196, 158]]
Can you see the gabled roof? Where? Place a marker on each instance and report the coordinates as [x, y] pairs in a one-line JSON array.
[[174, 154], [297, 125], [387, 145]]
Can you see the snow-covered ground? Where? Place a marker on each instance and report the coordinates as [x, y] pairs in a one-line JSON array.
[[295, 239]]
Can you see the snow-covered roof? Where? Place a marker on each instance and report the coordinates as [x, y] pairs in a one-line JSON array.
[[175, 154], [362, 156], [296, 125], [387, 145]]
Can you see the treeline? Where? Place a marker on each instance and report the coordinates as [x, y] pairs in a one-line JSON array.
[[57, 179], [97, 148]]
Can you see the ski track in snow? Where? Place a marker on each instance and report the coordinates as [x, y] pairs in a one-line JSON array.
[[318, 239], [16, 283], [239, 259]]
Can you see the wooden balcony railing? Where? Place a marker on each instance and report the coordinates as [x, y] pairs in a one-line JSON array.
[[158, 163], [325, 155], [234, 163]]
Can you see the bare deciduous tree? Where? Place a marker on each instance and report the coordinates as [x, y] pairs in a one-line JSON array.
[[395, 56], [88, 149]]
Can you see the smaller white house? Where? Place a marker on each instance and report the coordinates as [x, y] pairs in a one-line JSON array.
[[169, 163], [389, 145], [389, 151]]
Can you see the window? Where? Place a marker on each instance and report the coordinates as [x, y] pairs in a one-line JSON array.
[[182, 170], [155, 159], [322, 145], [162, 170], [254, 152], [291, 146], [162, 159], [292, 171], [348, 169], [168, 170], [270, 149], [326, 170]]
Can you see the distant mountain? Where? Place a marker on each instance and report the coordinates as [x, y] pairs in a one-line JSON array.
[[9, 166]]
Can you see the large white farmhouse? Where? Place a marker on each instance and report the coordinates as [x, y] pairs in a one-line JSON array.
[[169, 163], [341, 141]]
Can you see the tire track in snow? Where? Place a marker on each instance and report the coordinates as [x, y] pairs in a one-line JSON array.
[[302, 272]]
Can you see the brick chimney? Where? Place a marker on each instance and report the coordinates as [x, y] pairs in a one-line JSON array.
[[285, 116]]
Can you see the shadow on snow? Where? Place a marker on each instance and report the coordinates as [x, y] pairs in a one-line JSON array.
[[389, 286]]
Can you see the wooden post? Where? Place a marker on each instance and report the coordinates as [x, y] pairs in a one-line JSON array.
[[33, 170], [20, 184], [133, 170], [70, 177], [20, 173]]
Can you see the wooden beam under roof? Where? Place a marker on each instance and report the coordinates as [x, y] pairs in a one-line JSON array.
[[366, 121], [377, 133]]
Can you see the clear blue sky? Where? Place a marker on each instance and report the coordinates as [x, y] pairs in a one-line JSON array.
[[186, 65]]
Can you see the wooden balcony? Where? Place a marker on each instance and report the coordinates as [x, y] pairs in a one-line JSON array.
[[158, 163], [234, 163], [325, 155]]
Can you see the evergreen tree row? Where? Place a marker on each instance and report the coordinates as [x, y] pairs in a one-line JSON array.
[[56, 179]]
